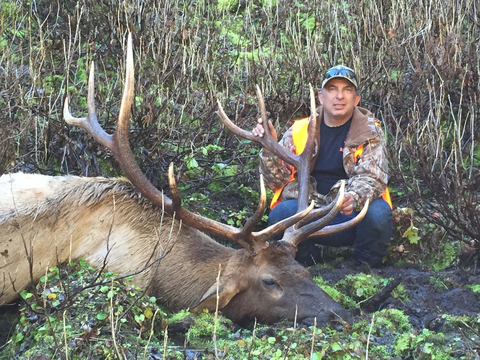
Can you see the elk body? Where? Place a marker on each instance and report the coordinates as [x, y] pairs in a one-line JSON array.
[[132, 228]]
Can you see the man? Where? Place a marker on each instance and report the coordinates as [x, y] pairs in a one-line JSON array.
[[352, 147]]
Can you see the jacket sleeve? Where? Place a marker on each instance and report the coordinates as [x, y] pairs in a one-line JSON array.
[[275, 171], [370, 173], [368, 177]]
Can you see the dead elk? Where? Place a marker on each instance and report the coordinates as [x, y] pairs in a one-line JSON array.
[[121, 222]]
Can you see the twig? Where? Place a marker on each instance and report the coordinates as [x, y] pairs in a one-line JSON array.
[[216, 313], [65, 335], [150, 336], [165, 338], [253, 339], [112, 326], [313, 337], [47, 311], [368, 338], [373, 303], [473, 330], [109, 249], [28, 254], [45, 289], [295, 318]]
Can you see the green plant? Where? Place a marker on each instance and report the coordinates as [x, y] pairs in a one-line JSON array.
[[66, 313]]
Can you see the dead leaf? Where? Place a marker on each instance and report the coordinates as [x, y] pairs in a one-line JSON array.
[[391, 33]]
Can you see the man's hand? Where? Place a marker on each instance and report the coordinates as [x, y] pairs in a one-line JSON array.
[[347, 206], [259, 131]]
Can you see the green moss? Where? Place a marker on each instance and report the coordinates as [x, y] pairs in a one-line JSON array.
[[396, 318], [229, 5], [182, 314], [336, 295], [474, 288], [204, 326], [360, 287], [379, 352], [426, 345]]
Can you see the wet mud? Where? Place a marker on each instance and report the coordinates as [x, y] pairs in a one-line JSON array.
[[431, 293]]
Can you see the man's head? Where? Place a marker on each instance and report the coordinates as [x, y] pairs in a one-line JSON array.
[[339, 94]]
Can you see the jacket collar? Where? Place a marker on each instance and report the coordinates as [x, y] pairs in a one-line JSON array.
[[362, 129]]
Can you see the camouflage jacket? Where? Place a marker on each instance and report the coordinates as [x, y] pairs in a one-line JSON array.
[[367, 176]]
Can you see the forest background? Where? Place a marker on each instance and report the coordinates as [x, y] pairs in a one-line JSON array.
[[417, 63]]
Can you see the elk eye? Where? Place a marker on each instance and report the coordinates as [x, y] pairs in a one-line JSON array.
[[269, 282]]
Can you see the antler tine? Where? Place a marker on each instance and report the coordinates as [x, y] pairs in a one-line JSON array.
[[277, 228], [124, 155], [296, 236], [311, 148], [205, 224], [118, 142], [315, 214], [255, 219], [335, 229], [267, 141], [263, 110], [90, 123], [259, 239]]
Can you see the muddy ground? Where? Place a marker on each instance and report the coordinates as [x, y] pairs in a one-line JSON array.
[[431, 293]]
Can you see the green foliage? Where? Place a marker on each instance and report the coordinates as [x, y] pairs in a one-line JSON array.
[[475, 288], [413, 234], [178, 316], [362, 286], [407, 229], [427, 344], [230, 5], [92, 310], [442, 282], [449, 254], [79, 317]]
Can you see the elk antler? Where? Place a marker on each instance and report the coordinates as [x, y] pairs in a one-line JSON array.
[[118, 144], [246, 237], [302, 163]]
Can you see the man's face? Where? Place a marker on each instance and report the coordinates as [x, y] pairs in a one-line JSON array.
[[338, 99]]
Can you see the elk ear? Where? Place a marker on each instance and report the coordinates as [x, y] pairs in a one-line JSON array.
[[209, 300]]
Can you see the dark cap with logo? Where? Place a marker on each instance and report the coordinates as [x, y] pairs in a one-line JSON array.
[[340, 71]]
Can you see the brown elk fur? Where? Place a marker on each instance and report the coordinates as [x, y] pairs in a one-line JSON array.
[[52, 219]]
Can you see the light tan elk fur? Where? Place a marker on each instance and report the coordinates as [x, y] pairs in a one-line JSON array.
[[74, 217]]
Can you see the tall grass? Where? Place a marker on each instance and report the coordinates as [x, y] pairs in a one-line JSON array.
[[417, 60]]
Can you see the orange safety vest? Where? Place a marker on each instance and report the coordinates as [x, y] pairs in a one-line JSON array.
[[300, 136]]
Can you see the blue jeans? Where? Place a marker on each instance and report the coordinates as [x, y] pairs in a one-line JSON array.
[[369, 238]]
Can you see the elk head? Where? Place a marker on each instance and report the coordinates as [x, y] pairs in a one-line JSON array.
[[262, 280]]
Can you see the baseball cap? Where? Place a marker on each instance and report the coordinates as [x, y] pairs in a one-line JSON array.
[[340, 71]]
